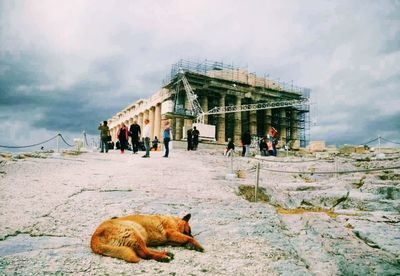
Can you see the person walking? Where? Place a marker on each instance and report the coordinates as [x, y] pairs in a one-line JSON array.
[[134, 132], [263, 147], [229, 148], [195, 135], [166, 138], [146, 136], [104, 134], [272, 141], [246, 142], [189, 138], [123, 137]]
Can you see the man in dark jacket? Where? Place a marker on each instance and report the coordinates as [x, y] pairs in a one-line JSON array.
[[189, 138], [246, 142], [134, 132], [195, 135], [104, 136]]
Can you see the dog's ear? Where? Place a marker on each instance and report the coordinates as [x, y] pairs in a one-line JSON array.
[[187, 217]]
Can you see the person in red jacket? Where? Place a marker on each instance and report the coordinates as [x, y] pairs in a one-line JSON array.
[[123, 137]]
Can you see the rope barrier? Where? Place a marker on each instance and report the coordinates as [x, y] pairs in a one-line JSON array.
[[370, 160], [373, 140], [295, 161], [62, 138], [33, 145], [334, 172], [396, 152], [40, 143], [387, 140]]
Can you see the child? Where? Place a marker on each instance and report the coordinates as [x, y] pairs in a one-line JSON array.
[[155, 144], [229, 148]]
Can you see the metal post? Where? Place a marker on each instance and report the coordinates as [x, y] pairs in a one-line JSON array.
[[57, 151], [232, 162], [84, 139], [58, 138], [257, 180], [379, 144]]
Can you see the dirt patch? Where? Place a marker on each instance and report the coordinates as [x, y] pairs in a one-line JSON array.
[[359, 183], [389, 175], [300, 211], [71, 152], [240, 174], [248, 192]]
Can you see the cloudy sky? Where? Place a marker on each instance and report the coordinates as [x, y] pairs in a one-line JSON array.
[[66, 65]]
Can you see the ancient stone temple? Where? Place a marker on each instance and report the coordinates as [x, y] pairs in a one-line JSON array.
[[218, 86]]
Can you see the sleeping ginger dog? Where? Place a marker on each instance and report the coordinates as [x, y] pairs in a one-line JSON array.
[[127, 237]]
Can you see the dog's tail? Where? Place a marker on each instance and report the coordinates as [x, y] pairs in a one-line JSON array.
[[121, 252]]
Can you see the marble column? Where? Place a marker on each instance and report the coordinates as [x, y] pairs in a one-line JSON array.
[[268, 120], [151, 119], [282, 131], [204, 106], [294, 125], [145, 115], [221, 122], [178, 128], [157, 122], [140, 122], [238, 124], [253, 122], [173, 128]]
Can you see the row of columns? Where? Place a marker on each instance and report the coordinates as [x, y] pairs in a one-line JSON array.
[[221, 122], [153, 114]]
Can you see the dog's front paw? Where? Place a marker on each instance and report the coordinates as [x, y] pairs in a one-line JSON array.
[[196, 247], [199, 248], [170, 254], [166, 258]]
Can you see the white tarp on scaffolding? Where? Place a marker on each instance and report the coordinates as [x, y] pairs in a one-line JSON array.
[[167, 106], [207, 132]]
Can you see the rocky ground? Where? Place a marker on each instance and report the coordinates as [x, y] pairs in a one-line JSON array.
[[312, 224]]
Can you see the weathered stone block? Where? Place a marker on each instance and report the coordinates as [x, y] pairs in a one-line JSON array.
[[317, 146]]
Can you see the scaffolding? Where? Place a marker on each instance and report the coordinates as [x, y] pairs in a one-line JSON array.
[[274, 94], [230, 72]]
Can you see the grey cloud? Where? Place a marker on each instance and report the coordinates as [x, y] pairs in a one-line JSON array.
[[73, 81]]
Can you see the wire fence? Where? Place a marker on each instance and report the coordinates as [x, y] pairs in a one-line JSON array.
[[254, 167], [32, 145], [56, 137], [81, 141]]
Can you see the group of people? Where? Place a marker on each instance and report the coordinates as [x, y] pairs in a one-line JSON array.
[[135, 132], [266, 144], [192, 136]]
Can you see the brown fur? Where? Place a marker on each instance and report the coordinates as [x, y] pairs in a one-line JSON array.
[[127, 237]]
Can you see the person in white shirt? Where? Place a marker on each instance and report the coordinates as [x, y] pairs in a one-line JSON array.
[[146, 136]]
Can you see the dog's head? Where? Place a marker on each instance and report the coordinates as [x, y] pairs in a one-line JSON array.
[[183, 225]]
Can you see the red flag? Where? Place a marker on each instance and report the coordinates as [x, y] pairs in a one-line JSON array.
[[273, 132]]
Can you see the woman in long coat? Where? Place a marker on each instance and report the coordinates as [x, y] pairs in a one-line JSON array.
[[123, 137]]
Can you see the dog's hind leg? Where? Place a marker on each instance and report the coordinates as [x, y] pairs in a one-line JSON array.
[[121, 252], [112, 250], [146, 253]]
